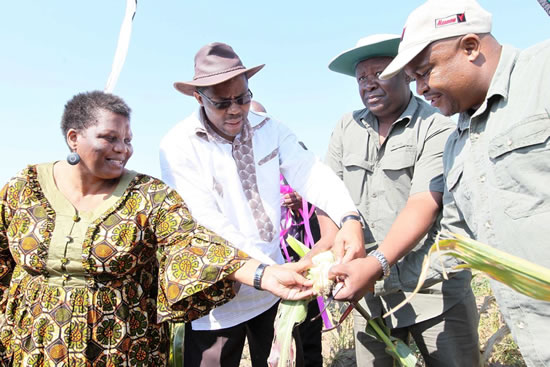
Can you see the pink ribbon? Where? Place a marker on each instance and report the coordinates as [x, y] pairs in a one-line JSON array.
[[288, 223]]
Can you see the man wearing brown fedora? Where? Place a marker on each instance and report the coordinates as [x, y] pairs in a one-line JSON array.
[[226, 161], [389, 156]]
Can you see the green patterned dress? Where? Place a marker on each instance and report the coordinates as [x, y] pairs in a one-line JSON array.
[[94, 289]]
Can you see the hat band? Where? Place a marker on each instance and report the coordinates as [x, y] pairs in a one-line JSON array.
[[218, 73]]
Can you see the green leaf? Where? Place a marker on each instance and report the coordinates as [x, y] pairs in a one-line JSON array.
[[394, 347], [402, 353], [177, 333], [519, 274], [297, 246]]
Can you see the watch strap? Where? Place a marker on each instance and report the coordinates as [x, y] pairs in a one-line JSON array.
[[383, 262], [356, 217], [258, 276]]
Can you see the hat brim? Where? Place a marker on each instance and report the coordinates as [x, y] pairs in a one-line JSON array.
[[188, 88], [402, 59], [347, 61]]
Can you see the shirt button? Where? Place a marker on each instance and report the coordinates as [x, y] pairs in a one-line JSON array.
[[373, 195], [69, 239], [520, 324], [488, 224], [64, 261], [509, 142], [482, 179], [66, 277], [76, 218]]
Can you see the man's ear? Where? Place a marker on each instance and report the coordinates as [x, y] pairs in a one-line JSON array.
[[198, 97], [470, 44]]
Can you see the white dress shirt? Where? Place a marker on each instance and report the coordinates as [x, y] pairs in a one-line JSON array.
[[199, 164]]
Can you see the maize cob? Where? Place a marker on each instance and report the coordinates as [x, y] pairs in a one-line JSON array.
[[291, 313]]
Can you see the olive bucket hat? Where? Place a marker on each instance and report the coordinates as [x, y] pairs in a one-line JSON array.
[[377, 45]]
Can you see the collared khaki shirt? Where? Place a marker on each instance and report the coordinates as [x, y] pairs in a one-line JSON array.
[[380, 179], [497, 175]]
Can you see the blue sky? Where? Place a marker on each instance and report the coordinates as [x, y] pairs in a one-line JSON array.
[[52, 50]]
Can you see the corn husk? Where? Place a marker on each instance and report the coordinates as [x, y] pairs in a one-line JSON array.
[[519, 274], [292, 313], [289, 314]]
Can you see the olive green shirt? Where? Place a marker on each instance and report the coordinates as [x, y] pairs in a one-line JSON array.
[[497, 174], [380, 179]]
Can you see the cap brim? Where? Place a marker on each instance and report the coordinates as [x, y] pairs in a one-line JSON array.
[[188, 88], [347, 61], [402, 59]]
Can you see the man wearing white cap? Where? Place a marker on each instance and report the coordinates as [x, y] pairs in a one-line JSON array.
[[226, 161], [389, 155], [497, 162]]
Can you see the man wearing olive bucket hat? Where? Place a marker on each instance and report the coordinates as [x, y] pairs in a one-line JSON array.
[[225, 161], [389, 156]]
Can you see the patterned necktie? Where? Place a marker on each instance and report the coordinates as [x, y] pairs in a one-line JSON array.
[[243, 154]]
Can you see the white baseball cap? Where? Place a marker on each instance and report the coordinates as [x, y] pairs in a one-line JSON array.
[[435, 20]]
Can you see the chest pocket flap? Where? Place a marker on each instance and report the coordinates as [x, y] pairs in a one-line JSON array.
[[355, 170], [354, 161], [399, 158], [534, 130]]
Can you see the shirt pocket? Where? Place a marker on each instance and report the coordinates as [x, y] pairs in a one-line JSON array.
[[398, 166], [354, 174], [270, 156], [399, 158], [520, 161]]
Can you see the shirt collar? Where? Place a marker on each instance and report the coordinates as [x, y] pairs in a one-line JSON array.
[[203, 129], [499, 87], [366, 117]]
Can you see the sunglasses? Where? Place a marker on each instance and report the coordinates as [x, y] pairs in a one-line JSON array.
[[226, 103]]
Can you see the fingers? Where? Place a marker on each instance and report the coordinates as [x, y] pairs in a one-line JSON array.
[[299, 295], [348, 294], [348, 255], [300, 266], [338, 249], [301, 280], [337, 272], [289, 274]]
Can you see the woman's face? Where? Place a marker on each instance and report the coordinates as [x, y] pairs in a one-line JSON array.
[[104, 147]]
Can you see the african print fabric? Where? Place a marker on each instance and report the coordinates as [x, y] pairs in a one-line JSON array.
[[145, 260]]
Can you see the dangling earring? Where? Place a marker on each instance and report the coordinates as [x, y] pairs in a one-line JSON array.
[[73, 158]]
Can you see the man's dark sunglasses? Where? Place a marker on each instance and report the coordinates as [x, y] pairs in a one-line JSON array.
[[226, 103]]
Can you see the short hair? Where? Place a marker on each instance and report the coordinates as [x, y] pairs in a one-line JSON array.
[[81, 111]]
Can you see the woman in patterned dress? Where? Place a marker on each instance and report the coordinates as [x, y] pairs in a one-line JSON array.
[[95, 258]]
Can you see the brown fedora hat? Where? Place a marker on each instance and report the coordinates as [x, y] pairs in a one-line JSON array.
[[215, 63]]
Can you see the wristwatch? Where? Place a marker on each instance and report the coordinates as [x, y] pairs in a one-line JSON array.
[[258, 276], [383, 262], [352, 217]]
